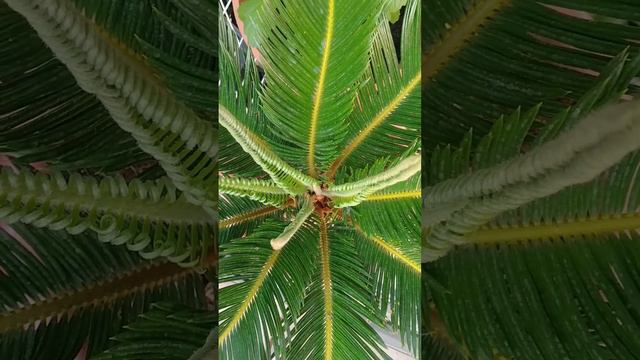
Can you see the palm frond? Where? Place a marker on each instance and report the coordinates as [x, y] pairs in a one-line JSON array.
[[392, 214], [167, 331], [239, 216], [56, 283], [328, 309], [332, 321], [37, 87], [238, 93], [313, 53], [150, 218], [566, 160], [386, 115], [555, 51], [558, 273], [255, 301], [286, 176], [306, 209], [576, 301], [353, 193], [395, 272]]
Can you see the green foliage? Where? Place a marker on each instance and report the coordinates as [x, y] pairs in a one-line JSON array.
[[532, 216], [148, 217], [333, 125], [116, 97], [87, 290], [485, 58], [166, 331]]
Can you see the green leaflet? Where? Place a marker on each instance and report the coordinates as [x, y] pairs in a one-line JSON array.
[[393, 9], [472, 200], [54, 282], [252, 271], [307, 105], [584, 166], [465, 53], [563, 284], [388, 95], [80, 279]]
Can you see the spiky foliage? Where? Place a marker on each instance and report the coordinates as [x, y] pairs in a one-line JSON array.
[[531, 218], [117, 98], [320, 181]]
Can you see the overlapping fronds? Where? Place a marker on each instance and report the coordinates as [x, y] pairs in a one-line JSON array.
[[333, 323], [164, 127], [238, 216], [104, 89], [258, 284], [557, 267], [485, 58], [577, 155], [307, 275], [167, 331], [54, 283], [238, 93], [386, 115], [53, 127], [313, 53]]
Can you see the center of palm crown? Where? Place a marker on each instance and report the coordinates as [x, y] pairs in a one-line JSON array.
[[322, 203]]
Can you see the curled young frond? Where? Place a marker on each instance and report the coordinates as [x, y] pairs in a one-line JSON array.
[[267, 192], [132, 94], [283, 174], [353, 193], [555, 154], [585, 164], [151, 218]]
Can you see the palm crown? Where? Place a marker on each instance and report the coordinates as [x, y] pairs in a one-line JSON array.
[[532, 202], [320, 182]]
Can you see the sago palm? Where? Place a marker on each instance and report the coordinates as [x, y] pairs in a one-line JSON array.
[[532, 197], [118, 99], [319, 180]]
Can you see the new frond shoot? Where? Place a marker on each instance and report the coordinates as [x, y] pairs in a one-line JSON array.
[[462, 205]]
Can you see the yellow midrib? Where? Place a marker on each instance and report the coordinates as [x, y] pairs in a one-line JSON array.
[[458, 35], [248, 216], [377, 120], [602, 225], [414, 266], [328, 291], [320, 89], [144, 277], [400, 195], [250, 297]]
